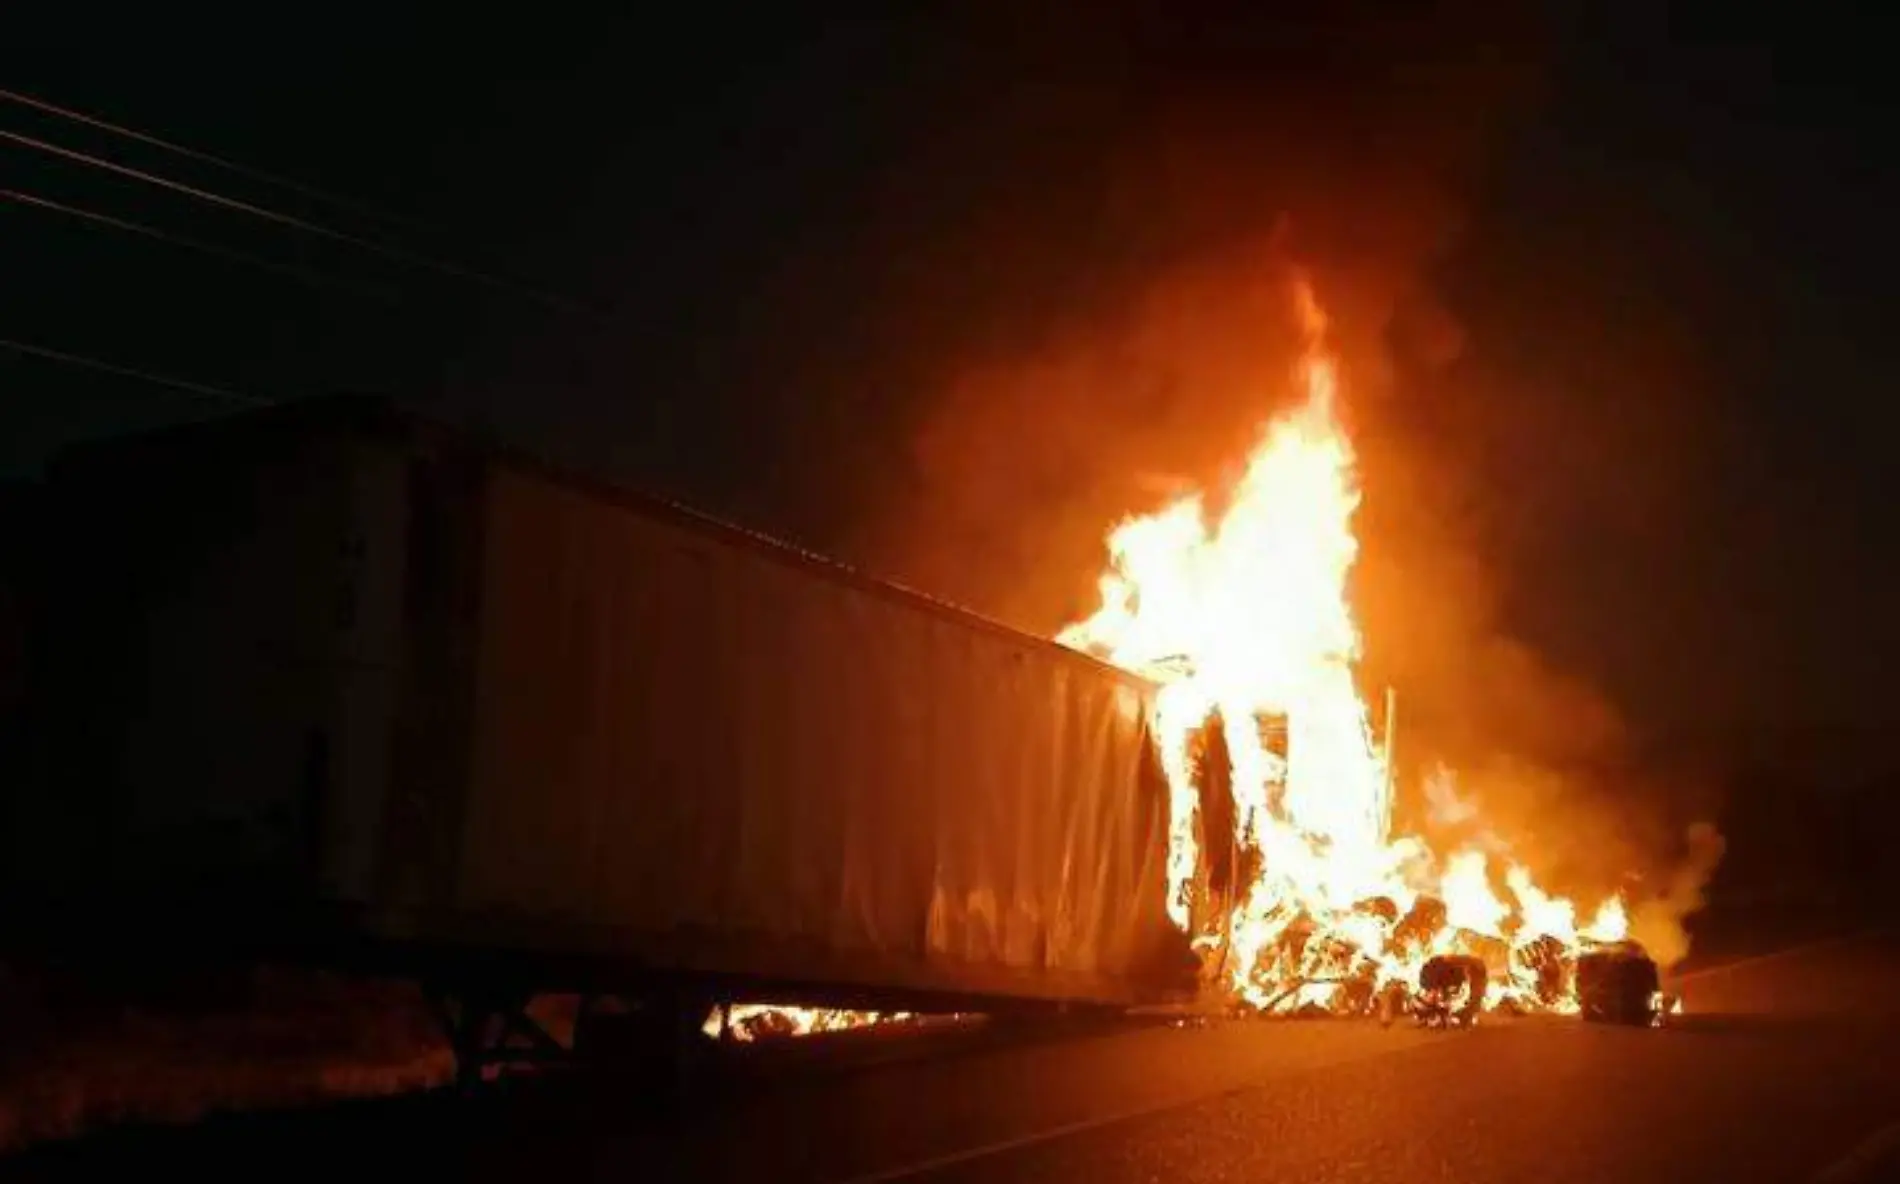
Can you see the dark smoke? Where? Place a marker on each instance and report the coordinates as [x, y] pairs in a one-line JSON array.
[[1121, 301], [1353, 149]]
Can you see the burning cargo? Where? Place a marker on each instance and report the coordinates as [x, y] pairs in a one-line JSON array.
[[1451, 991], [1283, 863], [1618, 983]]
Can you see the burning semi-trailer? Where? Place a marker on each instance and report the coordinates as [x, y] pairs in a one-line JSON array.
[[339, 684]]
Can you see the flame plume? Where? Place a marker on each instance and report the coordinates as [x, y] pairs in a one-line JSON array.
[[1245, 622]]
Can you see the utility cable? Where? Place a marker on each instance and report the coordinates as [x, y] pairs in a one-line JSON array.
[[196, 388]]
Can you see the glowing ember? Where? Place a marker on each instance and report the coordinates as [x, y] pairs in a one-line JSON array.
[[1243, 619], [746, 1022]]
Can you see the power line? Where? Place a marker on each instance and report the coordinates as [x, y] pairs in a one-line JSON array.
[[95, 217], [255, 174], [290, 220], [196, 388]]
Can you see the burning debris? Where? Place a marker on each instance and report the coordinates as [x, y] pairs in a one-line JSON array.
[[748, 1022], [1619, 984], [1547, 964], [1282, 864], [1451, 991]]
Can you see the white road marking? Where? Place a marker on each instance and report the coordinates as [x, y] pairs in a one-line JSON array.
[[1868, 1156], [1864, 1156], [925, 1166], [922, 1167]]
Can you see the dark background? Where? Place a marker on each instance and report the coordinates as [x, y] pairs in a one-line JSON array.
[[947, 295]]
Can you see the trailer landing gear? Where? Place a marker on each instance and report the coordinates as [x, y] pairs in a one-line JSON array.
[[650, 1042], [492, 1027]]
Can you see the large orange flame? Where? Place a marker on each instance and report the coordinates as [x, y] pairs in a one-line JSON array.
[[1244, 617]]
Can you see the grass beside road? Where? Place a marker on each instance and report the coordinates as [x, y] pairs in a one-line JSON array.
[[271, 1038]]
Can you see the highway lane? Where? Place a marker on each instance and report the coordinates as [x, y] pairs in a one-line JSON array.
[[1792, 1071], [1787, 1066]]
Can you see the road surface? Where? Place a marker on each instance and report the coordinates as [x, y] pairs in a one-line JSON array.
[[1787, 1069]]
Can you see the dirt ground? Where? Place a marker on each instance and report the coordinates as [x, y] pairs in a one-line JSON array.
[[76, 1057]]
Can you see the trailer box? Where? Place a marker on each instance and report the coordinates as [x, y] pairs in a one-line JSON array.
[[336, 680]]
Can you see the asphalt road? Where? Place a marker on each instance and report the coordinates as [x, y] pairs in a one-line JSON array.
[[1790, 1076], [1787, 1068]]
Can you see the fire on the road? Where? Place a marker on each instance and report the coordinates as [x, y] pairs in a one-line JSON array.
[[1308, 900], [1297, 894], [746, 1022]]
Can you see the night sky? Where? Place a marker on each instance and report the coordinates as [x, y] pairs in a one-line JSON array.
[[948, 296]]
